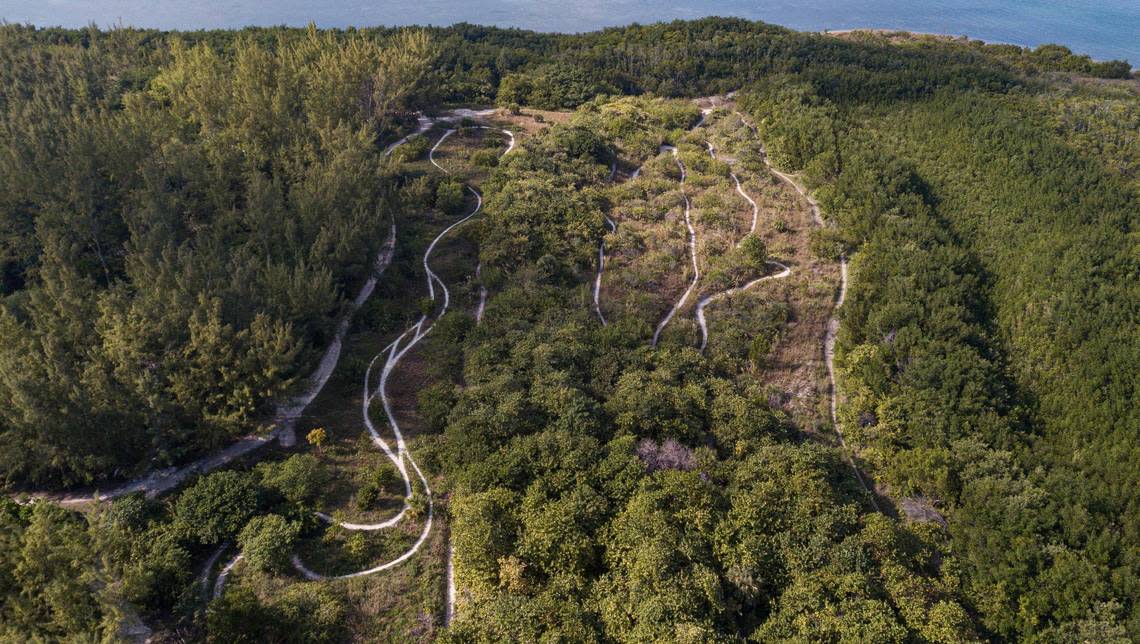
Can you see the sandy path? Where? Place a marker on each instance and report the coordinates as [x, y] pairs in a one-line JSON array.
[[396, 450], [832, 324], [204, 576], [328, 364], [692, 249], [424, 124], [220, 583], [708, 299], [602, 253], [740, 190], [288, 414], [482, 294], [601, 268], [394, 352]]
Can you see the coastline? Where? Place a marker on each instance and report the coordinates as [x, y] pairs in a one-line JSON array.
[[886, 32]]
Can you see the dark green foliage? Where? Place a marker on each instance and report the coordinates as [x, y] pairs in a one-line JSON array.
[[267, 542], [216, 507], [554, 87], [986, 337], [299, 479], [309, 613], [180, 226], [367, 496], [665, 491], [435, 403], [537, 210], [449, 197], [1057, 57], [47, 575]]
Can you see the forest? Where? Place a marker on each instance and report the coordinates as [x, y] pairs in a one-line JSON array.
[[192, 223]]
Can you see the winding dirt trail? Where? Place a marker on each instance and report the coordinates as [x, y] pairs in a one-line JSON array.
[[740, 191], [395, 447], [287, 412], [423, 125], [708, 299], [601, 253], [692, 247], [601, 268], [220, 583], [204, 576], [482, 293], [393, 353], [832, 324], [285, 417]]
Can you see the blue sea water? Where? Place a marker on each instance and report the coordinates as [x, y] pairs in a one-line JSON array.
[[1103, 29]]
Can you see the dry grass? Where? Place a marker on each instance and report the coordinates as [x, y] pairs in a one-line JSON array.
[[647, 259], [795, 369], [531, 121], [798, 307]]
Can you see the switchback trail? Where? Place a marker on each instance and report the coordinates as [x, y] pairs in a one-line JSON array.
[[692, 247], [395, 447], [832, 324], [602, 254], [708, 299]]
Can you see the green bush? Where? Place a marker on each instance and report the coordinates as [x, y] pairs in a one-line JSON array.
[[300, 479], [215, 507], [435, 403], [754, 252], [486, 158], [267, 542], [367, 496], [449, 197]]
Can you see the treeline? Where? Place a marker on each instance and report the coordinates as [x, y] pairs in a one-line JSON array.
[[718, 55], [177, 240], [987, 350]]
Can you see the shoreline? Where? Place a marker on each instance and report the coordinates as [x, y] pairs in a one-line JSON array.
[[964, 39], [887, 31]]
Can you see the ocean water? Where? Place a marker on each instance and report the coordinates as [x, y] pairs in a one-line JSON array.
[[1103, 29]]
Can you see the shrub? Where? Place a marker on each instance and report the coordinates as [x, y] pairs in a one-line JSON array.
[[384, 475], [215, 507], [367, 496], [266, 542], [130, 512], [357, 547], [435, 403], [299, 479], [825, 243], [449, 197], [754, 252], [486, 158]]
